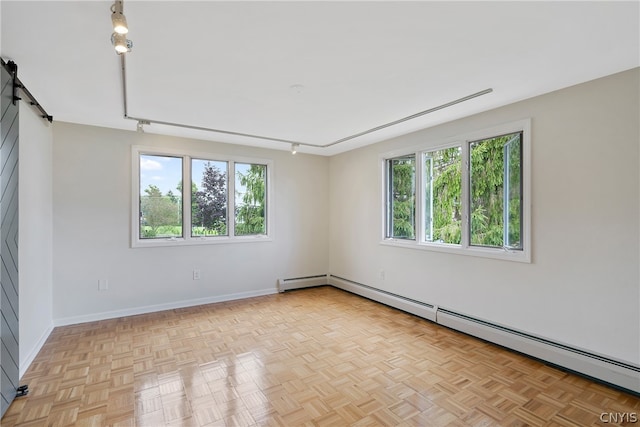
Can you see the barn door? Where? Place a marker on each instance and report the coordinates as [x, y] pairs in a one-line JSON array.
[[9, 357]]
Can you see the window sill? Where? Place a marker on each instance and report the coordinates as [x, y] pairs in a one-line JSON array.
[[502, 254], [197, 241]]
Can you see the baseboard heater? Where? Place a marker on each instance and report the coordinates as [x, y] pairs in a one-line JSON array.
[[611, 371], [302, 282], [421, 309], [614, 372]]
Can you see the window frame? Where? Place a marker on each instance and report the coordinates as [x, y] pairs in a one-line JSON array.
[[463, 141], [187, 238], [189, 209], [232, 216], [140, 195], [389, 224], [422, 227], [506, 184]]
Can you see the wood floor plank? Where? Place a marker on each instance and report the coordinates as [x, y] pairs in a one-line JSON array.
[[314, 357]]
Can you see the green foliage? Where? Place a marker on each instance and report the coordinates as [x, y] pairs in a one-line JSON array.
[[209, 205], [162, 231], [514, 152], [194, 190], [447, 187], [250, 213], [160, 214], [402, 195], [487, 192], [443, 193]]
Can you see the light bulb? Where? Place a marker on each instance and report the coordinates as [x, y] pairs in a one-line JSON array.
[[120, 43], [119, 23]]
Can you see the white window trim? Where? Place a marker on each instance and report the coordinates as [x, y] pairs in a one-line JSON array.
[[464, 248], [187, 239]]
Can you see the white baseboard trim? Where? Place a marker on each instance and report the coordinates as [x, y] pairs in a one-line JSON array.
[[28, 359], [302, 282], [64, 321]]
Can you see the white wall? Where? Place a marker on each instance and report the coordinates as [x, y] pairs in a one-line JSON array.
[[583, 286], [35, 233], [92, 208]]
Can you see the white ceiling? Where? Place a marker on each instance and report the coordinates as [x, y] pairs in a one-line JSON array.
[[231, 65]]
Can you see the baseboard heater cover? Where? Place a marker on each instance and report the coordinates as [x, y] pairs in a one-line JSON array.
[[302, 282], [420, 309], [611, 371]]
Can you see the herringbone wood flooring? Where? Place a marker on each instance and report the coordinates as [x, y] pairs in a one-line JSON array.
[[317, 357]]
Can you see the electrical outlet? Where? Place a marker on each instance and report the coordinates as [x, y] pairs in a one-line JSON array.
[[196, 274], [103, 285], [382, 274]]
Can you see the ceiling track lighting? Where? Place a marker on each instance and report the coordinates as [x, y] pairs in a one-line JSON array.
[[141, 123], [294, 144], [118, 39], [121, 43], [118, 19]]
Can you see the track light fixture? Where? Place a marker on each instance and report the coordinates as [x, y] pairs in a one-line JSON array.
[[141, 123], [120, 42], [119, 23], [294, 148], [118, 19]]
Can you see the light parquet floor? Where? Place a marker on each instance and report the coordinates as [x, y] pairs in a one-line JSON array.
[[316, 357]]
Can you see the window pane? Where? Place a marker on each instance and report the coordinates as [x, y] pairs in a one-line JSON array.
[[401, 199], [250, 199], [494, 197], [443, 180], [208, 198], [160, 197], [513, 193]]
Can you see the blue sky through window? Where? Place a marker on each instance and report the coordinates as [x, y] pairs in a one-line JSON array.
[[165, 172]]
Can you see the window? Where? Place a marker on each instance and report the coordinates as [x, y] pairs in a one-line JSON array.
[[160, 206], [472, 193], [401, 199], [209, 198], [251, 199], [226, 200], [442, 194], [496, 192]]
